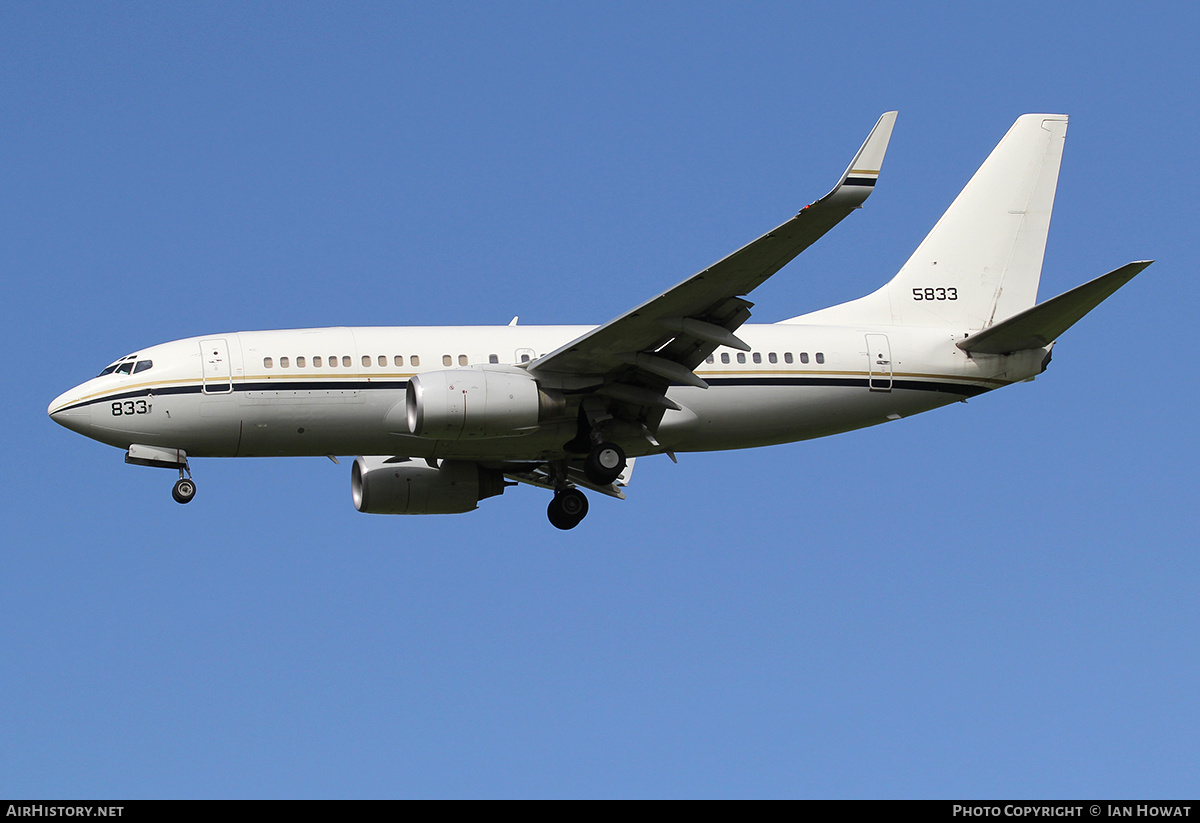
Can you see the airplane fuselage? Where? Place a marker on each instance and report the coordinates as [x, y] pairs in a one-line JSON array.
[[338, 391]]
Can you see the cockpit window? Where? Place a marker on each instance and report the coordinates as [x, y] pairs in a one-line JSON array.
[[142, 365], [122, 366]]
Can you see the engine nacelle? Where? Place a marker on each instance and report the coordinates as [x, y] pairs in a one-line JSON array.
[[412, 487], [468, 403]]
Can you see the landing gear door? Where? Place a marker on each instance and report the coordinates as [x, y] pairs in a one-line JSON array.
[[879, 362], [214, 357]]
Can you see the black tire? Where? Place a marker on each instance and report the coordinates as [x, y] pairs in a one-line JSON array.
[[604, 464], [567, 509], [184, 491]]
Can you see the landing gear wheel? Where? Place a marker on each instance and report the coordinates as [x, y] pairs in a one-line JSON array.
[[184, 490], [604, 464], [567, 509]]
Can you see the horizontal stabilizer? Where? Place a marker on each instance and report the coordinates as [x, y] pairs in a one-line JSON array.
[[1042, 324]]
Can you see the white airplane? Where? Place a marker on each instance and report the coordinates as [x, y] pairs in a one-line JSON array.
[[450, 416]]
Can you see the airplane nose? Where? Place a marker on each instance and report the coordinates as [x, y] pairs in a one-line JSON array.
[[78, 419]]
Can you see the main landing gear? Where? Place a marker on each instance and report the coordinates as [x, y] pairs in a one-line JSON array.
[[569, 506], [567, 509], [602, 466], [604, 463]]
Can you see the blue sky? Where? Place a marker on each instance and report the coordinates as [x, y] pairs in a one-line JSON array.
[[992, 599]]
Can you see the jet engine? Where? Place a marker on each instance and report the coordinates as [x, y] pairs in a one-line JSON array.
[[380, 486], [466, 403]]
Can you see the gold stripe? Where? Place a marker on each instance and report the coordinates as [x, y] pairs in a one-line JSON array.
[[324, 375], [949, 378], [957, 379], [236, 379], [151, 386]]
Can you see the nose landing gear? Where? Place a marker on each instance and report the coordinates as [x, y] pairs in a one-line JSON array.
[[184, 491], [162, 458], [185, 487]]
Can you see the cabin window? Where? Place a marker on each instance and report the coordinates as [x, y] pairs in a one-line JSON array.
[[300, 363], [741, 357], [268, 363], [724, 357], [382, 361], [787, 357], [462, 360], [447, 360], [415, 360], [493, 358], [142, 365], [284, 363], [366, 361], [317, 362], [803, 357], [820, 357], [756, 357], [333, 361], [524, 358], [710, 359], [346, 360], [398, 360], [772, 358]]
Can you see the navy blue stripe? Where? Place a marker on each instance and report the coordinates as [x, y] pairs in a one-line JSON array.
[[112, 398], [863, 382], [859, 181], [396, 385], [960, 389], [270, 385], [321, 385]]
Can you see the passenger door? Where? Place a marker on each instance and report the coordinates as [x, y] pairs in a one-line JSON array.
[[879, 363], [214, 358]]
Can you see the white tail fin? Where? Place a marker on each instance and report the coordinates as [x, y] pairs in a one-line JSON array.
[[983, 260]]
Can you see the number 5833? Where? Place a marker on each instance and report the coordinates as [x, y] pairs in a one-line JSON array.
[[935, 293]]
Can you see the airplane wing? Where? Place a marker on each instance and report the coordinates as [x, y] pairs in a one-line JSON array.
[[641, 353]]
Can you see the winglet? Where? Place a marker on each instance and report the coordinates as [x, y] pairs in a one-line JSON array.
[[859, 178]]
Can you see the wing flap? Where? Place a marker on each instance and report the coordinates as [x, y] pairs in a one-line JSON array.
[[1043, 324], [540, 477]]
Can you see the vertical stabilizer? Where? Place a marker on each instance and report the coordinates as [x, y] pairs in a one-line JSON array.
[[983, 260]]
